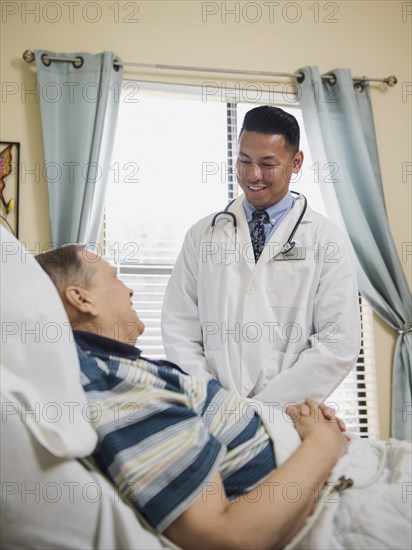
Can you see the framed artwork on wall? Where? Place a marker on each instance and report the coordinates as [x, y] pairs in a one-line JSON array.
[[9, 185]]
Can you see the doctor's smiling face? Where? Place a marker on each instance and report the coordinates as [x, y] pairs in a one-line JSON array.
[[265, 165]]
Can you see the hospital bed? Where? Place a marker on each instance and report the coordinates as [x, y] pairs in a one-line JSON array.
[[51, 499]]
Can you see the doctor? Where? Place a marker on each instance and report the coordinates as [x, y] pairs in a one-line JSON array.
[[267, 303]]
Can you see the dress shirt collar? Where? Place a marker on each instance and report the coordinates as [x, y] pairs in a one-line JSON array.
[[275, 211]]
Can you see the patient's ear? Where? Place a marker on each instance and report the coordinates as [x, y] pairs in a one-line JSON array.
[[81, 299]]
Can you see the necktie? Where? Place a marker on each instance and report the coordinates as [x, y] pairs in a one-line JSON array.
[[260, 217]]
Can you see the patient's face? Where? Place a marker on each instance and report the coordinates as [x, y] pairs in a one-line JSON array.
[[116, 317]]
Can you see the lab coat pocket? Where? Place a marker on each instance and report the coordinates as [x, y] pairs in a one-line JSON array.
[[290, 284]]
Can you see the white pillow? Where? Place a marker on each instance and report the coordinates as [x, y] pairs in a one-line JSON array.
[[39, 363]]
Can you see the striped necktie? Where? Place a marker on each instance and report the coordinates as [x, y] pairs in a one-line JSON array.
[[257, 235]]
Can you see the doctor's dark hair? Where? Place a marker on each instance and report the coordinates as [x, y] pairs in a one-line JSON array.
[[267, 119], [67, 265]]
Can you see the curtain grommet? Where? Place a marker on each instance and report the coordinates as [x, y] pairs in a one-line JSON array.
[[300, 78], [332, 80], [359, 86], [116, 66], [78, 62], [45, 60]]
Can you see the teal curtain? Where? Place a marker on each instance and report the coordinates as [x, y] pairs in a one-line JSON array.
[[79, 107], [339, 124]]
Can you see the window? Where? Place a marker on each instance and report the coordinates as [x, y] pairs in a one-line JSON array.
[[166, 175]]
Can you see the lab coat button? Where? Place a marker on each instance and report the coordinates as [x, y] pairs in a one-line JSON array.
[[250, 290]]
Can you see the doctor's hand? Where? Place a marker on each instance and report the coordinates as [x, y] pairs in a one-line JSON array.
[[311, 422]]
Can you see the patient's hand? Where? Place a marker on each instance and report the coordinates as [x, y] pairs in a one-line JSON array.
[[317, 421], [330, 414]]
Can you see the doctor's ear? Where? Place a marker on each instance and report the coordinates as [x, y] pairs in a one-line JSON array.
[[80, 299], [297, 161]]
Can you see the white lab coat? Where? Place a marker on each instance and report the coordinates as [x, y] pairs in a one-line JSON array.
[[277, 331]]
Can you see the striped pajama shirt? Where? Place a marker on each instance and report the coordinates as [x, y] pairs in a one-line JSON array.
[[163, 435]]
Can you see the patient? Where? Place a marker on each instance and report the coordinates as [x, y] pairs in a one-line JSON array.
[[195, 459]]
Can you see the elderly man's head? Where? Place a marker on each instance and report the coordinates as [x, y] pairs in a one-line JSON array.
[[94, 297]]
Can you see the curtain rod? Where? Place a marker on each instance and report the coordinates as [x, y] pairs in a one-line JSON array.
[[28, 56]]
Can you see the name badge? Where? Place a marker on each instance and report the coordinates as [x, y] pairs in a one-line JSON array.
[[297, 253]]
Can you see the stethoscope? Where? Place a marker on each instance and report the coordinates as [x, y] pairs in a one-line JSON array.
[[289, 244]]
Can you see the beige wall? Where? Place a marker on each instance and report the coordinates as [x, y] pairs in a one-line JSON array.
[[370, 37]]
